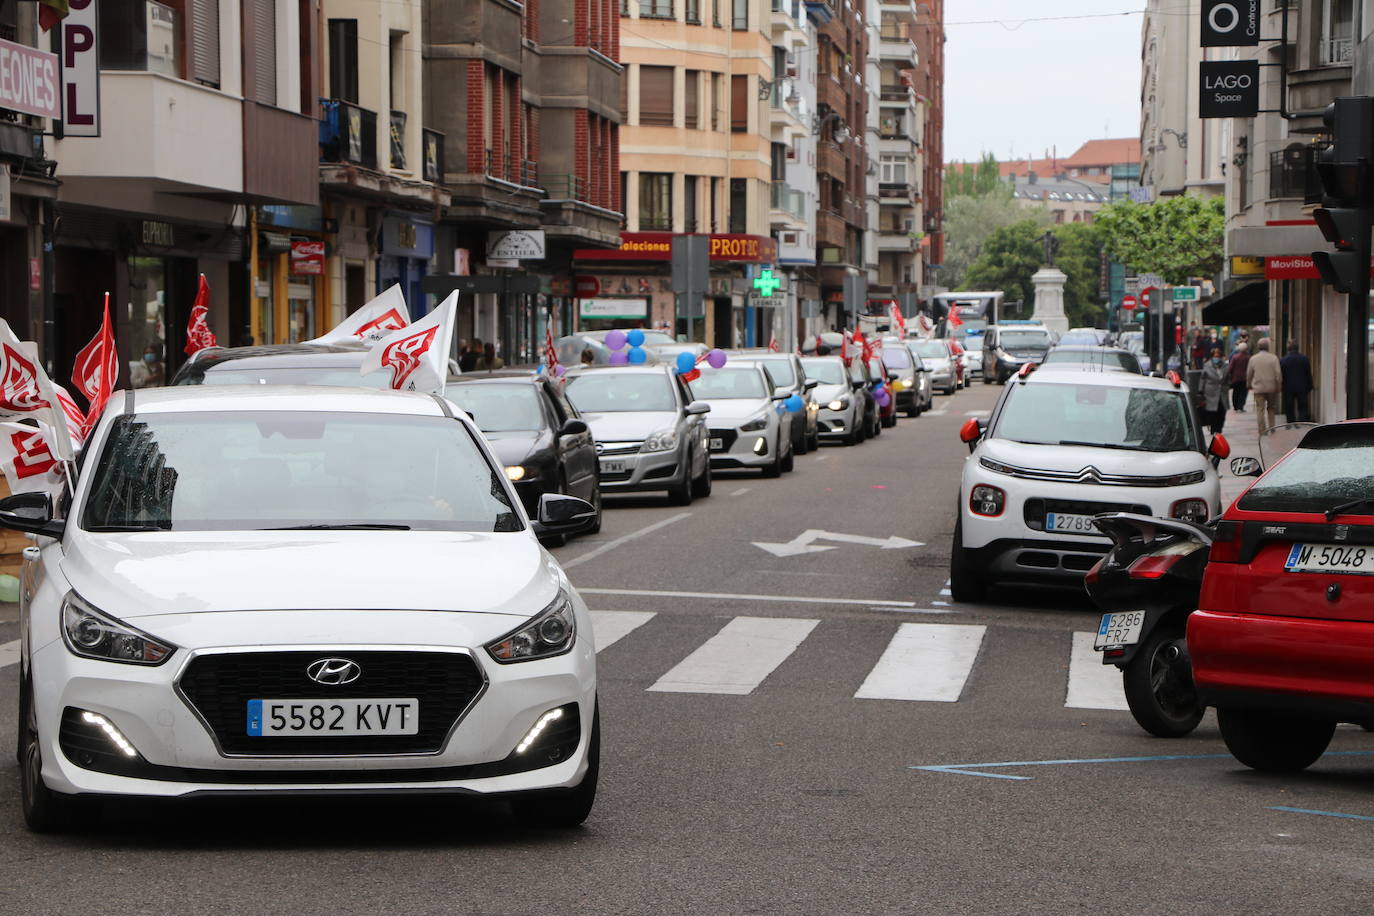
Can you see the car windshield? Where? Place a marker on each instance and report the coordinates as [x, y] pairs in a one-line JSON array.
[[616, 392], [499, 408], [896, 358], [1134, 341], [336, 376], [1111, 359], [1023, 339], [1080, 337], [657, 338], [1333, 466], [1140, 419], [255, 470], [825, 371], [781, 371], [933, 349], [973, 342], [729, 383]]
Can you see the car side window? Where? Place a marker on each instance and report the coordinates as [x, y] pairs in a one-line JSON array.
[[684, 396], [552, 404], [560, 399]]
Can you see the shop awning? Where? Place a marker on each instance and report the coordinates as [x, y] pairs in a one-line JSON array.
[[1248, 305]]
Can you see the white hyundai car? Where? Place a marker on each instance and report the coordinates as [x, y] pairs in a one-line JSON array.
[[299, 589], [748, 427], [1061, 446]]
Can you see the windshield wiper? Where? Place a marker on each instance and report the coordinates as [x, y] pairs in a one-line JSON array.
[[1129, 448], [1346, 507], [151, 526], [342, 526]]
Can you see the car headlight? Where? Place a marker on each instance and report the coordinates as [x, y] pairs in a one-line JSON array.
[[1183, 480], [662, 441], [996, 466], [518, 472], [550, 633], [756, 424], [1192, 510], [839, 404], [92, 634]]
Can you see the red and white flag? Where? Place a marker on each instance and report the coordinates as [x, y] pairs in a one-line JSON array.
[[97, 366], [417, 354], [898, 321], [198, 333], [28, 460], [369, 324], [78, 424], [773, 343], [550, 351], [954, 319], [845, 339], [26, 390]]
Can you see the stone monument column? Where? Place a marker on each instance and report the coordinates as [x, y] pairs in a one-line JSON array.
[[1049, 298]]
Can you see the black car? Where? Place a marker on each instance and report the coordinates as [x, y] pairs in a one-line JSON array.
[[536, 433]]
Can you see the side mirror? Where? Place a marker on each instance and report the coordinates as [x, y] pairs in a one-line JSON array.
[[559, 514], [1219, 447], [572, 427], [30, 512], [781, 391], [971, 432], [811, 383], [892, 376], [698, 408], [1246, 467], [858, 385]]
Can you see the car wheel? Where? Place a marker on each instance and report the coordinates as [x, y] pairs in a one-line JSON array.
[[965, 582], [913, 411], [877, 429], [596, 501], [1158, 683], [680, 494], [1274, 742], [789, 462], [701, 487], [861, 429], [45, 811], [774, 468], [565, 808], [814, 442]]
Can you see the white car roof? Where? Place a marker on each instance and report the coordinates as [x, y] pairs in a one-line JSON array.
[[202, 398], [1073, 374]]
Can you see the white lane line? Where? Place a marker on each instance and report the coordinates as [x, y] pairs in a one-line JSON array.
[[613, 544], [946, 593], [650, 593], [822, 457], [9, 653], [916, 610], [741, 491], [609, 627], [939, 604], [738, 658], [1092, 685], [978, 413], [924, 661], [937, 412]]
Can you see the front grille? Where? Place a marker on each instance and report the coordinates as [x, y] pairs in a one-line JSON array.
[[618, 448], [1088, 475], [218, 687], [727, 438], [1035, 510]]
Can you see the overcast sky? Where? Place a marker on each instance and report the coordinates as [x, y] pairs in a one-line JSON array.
[[1022, 89]]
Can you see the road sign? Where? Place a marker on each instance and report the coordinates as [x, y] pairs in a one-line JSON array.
[[1128, 302], [586, 287], [1185, 293], [803, 543]]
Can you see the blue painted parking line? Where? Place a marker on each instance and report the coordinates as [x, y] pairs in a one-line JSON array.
[[975, 769], [1353, 817]]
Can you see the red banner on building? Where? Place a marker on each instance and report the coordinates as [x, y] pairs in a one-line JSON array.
[[658, 246], [1291, 267]]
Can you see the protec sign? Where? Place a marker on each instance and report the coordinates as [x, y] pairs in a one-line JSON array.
[[1230, 23], [1228, 88]]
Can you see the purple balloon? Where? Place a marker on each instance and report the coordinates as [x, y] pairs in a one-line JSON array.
[[882, 397], [615, 339], [620, 357], [560, 370], [716, 358]]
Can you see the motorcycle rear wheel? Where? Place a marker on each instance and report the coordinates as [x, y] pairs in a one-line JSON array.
[[1159, 686]]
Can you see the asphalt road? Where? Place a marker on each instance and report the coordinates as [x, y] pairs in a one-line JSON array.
[[764, 744]]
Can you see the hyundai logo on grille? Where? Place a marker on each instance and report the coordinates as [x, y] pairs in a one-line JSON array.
[[334, 672]]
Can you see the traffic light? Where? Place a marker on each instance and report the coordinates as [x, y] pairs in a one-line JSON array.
[[1347, 176], [1343, 228]]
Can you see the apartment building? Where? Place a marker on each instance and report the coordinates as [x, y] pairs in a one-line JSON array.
[[929, 83], [792, 211], [899, 141], [194, 115]]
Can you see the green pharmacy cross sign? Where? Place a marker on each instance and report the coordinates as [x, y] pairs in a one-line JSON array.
[[766, 283]]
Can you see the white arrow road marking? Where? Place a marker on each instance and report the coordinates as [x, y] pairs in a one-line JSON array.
[[924, 661], [802, 543], [9, 654], [609, 627], [738, 658], [1092, 685]]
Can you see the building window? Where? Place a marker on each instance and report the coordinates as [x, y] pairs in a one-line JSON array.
[[343, 59], [739, 20], [692, 99], [739, 104], [1338, 21], [656, 96], [715, 204], [892, 169], [264, 53], [779, 162], [655, 9], [717, 83], [693, 12], [689, 203], [739, 205], [655, 201]]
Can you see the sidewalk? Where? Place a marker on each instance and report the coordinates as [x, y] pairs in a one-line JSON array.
[[1242, 433]]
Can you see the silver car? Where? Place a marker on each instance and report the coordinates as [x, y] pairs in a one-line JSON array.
[[788, 374], [939, 360], [650, 434], [843, 407], [749, 427]]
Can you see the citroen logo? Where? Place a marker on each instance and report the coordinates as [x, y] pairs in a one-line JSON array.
[[334, 672], [1090, 473]]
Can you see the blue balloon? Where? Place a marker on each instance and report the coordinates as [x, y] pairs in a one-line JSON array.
[[794, 403], [638, 355], [686, 362], [635, 338]]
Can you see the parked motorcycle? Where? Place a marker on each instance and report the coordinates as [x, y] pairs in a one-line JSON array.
[[1149, 583]]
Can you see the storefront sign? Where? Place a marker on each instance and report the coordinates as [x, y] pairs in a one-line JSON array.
[[658, 246], [307, 258], [516, 245], [1230, 23], [1295, 267], [29, 80], [1228, 88], [769, 302], [614, 308], [80, 71], [1245, 266], [158, 233]]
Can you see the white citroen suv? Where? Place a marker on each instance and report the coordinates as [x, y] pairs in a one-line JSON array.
[[1061, 446]]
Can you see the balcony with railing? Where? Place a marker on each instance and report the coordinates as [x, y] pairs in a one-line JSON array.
[[348, 133], [505, 167], [830, 160], [895, 45], [897, 92], [1335, 52], [899, 193], [787, 202]]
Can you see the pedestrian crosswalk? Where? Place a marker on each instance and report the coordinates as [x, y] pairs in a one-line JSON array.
[[922, 662]]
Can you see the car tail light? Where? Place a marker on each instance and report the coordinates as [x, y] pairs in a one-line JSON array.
[[1192, 510], [1152, 566], [987, 500], [1095, 573], [1226, 543]]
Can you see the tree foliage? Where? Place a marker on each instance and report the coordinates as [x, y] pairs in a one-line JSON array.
[[969, 221], [1176, 237], [965, 179], [1013, 253]]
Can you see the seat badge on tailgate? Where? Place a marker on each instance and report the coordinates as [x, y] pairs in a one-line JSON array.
[[1275, 529], [1342, 532]]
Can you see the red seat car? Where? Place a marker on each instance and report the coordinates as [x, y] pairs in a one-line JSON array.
[[1283, 641]]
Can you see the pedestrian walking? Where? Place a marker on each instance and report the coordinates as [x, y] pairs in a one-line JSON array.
[[1297, 384], [1240, 360], [468, 361], [490, 362], [1215, 382], [1264, 378]]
